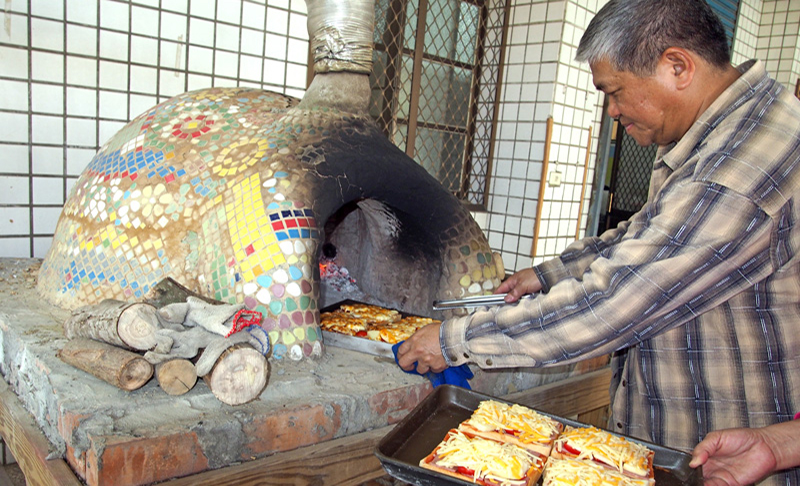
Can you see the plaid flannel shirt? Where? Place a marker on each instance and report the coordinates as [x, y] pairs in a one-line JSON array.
[[697, 295]]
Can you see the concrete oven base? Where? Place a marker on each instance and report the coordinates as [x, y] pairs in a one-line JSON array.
[[109, 436]]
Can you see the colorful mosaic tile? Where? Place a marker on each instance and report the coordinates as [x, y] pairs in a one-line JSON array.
[[215, 188], [191, 190]]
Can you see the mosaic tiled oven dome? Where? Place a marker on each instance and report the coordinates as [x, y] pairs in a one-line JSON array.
[[228, 191]]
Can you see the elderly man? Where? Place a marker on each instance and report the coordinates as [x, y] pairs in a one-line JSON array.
[[698, 294]]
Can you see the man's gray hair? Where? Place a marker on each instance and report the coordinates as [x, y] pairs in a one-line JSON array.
[[632, 34]]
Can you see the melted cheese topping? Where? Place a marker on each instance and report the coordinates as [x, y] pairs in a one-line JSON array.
[[379, 323], [593, 443], [341, 323], [371, 313], [394, 335], [571, 472], [489, 459], [526, 424]]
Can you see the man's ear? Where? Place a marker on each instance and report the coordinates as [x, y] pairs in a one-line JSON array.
[[680, 66]]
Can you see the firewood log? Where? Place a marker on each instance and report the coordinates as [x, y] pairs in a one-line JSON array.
[[176, 376], [168, 291], [124, 369], [131, 326], [239, 375]]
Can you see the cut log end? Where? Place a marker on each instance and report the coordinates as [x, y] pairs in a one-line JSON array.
[[176, 376], [135, 374], [129, 326], [239, 375], [117, 366], [137, 326]]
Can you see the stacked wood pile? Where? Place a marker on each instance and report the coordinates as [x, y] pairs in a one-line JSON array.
[[110, 340]]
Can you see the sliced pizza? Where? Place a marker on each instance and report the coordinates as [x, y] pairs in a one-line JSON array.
[[572, 472], [604, 448], [484, 461], [515, 423]]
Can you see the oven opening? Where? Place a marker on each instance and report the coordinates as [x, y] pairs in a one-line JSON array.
[[374, 255]]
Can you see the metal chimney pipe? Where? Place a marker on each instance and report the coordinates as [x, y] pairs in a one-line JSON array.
[[341, 35]]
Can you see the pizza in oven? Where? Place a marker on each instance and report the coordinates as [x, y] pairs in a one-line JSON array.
[[606, 449], [342, 323], [417, 321], [398, 331], [371, 313], [372, 322], [484, 461], [515, 423]]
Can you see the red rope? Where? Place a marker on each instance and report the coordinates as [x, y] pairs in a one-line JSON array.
[[244, 318]]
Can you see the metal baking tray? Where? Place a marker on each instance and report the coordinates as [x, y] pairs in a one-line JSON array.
[[354, 343], [423, 429]]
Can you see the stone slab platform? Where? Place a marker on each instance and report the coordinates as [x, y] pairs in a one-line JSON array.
[[109, 436]]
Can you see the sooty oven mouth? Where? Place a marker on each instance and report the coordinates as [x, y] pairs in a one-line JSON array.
[[376, 255], [337, 282]]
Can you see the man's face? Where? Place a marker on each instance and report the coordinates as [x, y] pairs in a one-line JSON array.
[[644, 106]]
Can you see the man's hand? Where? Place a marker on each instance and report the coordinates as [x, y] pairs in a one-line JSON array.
[[519, 284], [734, 457], [423, 349]]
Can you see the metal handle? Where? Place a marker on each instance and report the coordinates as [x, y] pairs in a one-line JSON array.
[[472, 301]]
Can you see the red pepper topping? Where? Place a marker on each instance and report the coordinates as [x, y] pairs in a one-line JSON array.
[[465, 470]]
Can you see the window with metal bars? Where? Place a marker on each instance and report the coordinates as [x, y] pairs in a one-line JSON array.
[[726, 10], [435, 75]]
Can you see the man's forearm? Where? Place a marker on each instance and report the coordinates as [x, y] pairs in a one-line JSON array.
[[784, 439]]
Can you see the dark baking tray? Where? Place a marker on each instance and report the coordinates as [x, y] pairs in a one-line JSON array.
[[355, 343], [423, 428], [338, 305]]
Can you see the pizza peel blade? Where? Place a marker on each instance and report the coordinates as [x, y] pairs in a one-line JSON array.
[[375, 348]]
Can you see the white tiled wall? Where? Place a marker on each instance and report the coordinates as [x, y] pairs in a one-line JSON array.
[[778, 42], [73, 72], [746, 34], [542, 80]]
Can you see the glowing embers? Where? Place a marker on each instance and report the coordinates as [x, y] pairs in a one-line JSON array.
[[293, 223], [336, 276], [192, 127]]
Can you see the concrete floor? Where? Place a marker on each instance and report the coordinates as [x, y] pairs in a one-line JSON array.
[[10, 475]]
